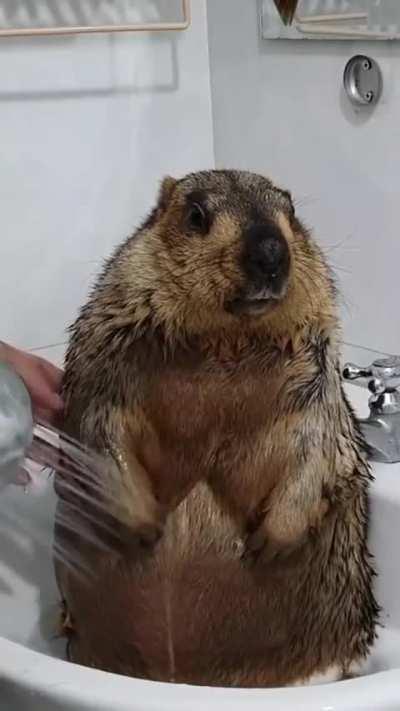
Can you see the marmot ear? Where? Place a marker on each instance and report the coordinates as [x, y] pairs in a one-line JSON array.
[[167, 188]]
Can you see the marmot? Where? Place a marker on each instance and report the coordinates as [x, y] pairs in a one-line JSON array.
[[205, 368]]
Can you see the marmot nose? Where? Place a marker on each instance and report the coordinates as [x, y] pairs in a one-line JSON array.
[[266, 257]]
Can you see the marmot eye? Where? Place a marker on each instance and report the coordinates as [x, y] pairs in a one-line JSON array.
[[197, 218]]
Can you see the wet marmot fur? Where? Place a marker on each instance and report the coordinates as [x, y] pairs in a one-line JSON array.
[[205, 368]]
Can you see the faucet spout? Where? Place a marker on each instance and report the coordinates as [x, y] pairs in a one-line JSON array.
[[381, 428], [382, 434]]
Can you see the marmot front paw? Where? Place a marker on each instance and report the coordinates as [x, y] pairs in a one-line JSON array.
[[283, 530]]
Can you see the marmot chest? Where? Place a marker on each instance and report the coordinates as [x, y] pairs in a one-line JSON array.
[[212, 426]]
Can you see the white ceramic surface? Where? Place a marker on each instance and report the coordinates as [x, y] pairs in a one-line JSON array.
[[34, 677]]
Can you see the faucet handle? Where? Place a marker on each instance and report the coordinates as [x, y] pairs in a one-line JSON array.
[[353, 372], [385, 373], [387, 369]]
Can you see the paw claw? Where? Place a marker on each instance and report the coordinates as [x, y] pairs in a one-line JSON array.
[[264, 548], [66, 625]]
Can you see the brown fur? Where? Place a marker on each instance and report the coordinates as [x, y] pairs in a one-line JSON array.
[[231, 434]]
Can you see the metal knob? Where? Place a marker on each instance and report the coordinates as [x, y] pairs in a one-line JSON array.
[[388, 368], [377, 386], [362, 80], [384, 374], [353, 372]]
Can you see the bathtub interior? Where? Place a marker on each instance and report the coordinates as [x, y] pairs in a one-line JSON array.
[[29, 600]]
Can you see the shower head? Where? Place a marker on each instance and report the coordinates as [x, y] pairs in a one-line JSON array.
[[27, 445]]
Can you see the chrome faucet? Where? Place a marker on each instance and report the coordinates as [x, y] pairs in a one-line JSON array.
[[381, 428]]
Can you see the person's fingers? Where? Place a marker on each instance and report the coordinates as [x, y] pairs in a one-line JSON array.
[[22, 477], [43, 397], [43, 394], [42, 380], [52, 374], [46, 415]]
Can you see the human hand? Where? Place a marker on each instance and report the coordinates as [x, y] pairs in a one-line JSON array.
[[42, 380]]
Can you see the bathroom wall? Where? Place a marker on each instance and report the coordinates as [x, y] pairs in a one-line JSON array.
[[88, 126], [279, 109]]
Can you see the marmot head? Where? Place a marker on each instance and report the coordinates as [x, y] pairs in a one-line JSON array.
[[223, 249]]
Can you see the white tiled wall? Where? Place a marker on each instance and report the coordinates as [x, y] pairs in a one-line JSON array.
[[279, 108], [88, 126]]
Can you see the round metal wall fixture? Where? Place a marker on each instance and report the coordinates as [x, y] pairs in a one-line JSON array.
[[362, 80]]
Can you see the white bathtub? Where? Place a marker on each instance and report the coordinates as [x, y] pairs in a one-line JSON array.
[[34, 677]]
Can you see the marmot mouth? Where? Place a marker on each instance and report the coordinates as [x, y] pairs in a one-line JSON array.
[[255, 303]]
